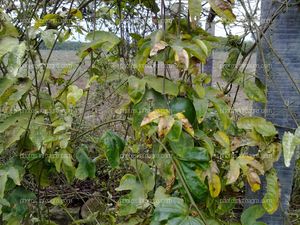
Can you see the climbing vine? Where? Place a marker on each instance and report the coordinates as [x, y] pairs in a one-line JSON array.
[[200, 152]]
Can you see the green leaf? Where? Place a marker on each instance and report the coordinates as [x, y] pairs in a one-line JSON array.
[[128, 182], [20, 199], [203, 46], [5, 83], [86, 167], [13, 127], [160, 196], [195, 9], [254, 92], [175, 132], [136, 89], [15, 170], [49, 37], [222, 110], [197, 188], [53, 20], [57, 201], [194, 48], [7, 27], [136, 199], [7, 44], [228, 70], [76, 13], [201, 106], [15, 59], [250, 215], [192, 154], [170, 208], [38, 132], [142, 56], [223, 9], [160, 84], [41, 171], [185, 141], [185, 220], [130, 203], [145, 174], [262, 126], [271, 199], [151, 100], [99, 39], [289, 143], [3, 180], [74, 94], [206, 141], [113, 146], [67, 165], [14, 93]]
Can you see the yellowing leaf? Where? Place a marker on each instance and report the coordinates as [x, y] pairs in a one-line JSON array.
[[214, 184], [158, 47], [234, 171], [253, 180], [185, 123], [223, 9], [271, 199], [164, 126], [289, 144], [245, 160], [74, 94], [270, 155], [202, 45], [154, 115], [76, 13], [57, 201], [222, 138], [182, 57]]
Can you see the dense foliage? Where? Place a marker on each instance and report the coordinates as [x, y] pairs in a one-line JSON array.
[[184, 153]]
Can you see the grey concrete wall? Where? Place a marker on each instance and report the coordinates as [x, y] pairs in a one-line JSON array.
[[284, 35]]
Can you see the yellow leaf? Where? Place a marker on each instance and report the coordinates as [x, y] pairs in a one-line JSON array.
[[234, 172], [154, 115], [214, 184], [185, 123], [182, 57], [222, 139], [74, 94], [158, 47], [164, 126], [253, 180], [246, 160]]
